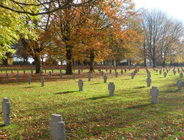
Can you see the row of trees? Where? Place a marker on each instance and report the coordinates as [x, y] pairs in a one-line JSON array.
[[88, 30]]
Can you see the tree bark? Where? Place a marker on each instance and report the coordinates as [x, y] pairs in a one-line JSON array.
[[92, 57], [38, 66], [68, 60], [130, 62], [144, 55]]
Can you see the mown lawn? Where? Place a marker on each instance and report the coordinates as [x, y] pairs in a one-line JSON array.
[[92, 113]]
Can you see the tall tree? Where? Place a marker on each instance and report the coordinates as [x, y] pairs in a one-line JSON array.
[[160, 32]]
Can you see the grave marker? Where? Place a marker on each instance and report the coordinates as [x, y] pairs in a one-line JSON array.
[[29, 79], [154, 92], [17, 78], [24, 71], [165, 74], [6, 111], [132, 74], [42, 81], [111, 88], [57, 127], [102, 73], [121, 71], [181, 75], [105, 79], [148, 80], [80, 84], [179, 84], [73, 76], [7, 76], [31, 71], [89, 77], [61, 75], [116, 74], [49, 73]]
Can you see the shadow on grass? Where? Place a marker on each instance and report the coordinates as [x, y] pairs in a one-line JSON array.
[[95, 83], [65, 92], [2, 125], [96, 98], [30, 87], [139, 87], [139, 106]]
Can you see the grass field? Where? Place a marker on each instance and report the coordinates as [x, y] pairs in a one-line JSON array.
[[92, 113]]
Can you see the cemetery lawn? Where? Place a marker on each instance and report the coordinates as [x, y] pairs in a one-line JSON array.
[[92, 113]]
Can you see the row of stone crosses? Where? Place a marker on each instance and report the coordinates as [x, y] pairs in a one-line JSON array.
[[61, 74], [57, 126]]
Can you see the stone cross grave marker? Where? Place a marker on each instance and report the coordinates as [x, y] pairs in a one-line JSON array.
[[61, 75], [154, 92], [105, 78], [111, 88], [42, 81], [160, 71], [149, 75], [110, 71], [102, 73], [73, 76], [89, 77], [7, 76], [80, 84], [116, 74], [165, 74], [24, 71], [132, 74], [29, 79], [148, 80], [174, 72], [121, 71], [31, 71], [179, 84], [49, 73], [181, 75], [6, 111], [57, 127], [78, 71], [17, 78]]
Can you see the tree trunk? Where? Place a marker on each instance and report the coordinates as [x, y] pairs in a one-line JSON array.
[[92, 56], [154, 55], [144, 55], [5, 61], [164, 63], [130, 62], [38, 66], [68, 59]]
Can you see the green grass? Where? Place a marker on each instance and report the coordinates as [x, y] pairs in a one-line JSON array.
[[92, 113]]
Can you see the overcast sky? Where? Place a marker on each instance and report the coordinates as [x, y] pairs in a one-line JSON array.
[[173, 8]]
